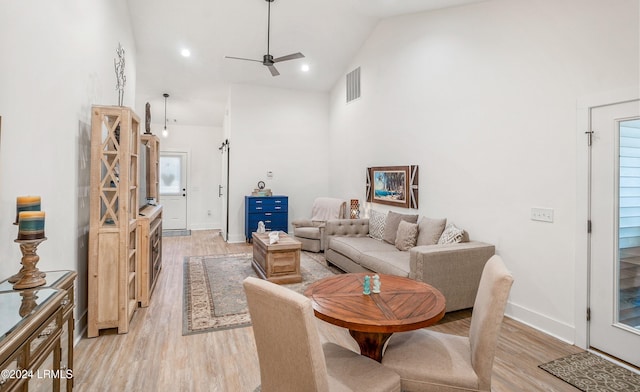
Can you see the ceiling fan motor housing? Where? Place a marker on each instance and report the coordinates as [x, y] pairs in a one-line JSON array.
[[267, 59]]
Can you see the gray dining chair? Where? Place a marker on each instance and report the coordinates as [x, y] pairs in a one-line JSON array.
[[290, 353], [433, 361]]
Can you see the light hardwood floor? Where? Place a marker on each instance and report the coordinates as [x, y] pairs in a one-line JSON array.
[[154, 356]]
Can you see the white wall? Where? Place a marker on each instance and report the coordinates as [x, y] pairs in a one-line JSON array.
[[278, 130], [203, 177], [57, 61], [484, 99]]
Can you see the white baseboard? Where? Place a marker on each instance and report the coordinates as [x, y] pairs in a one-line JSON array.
[[80, 327], [541, 322], [236, 238], [205, 226]]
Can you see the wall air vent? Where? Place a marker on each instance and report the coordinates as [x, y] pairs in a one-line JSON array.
[[353, 85]]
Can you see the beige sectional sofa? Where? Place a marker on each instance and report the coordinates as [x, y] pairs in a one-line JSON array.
[[454, 268]]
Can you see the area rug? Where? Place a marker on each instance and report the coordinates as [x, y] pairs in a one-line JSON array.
[[213, 297], [591, 373], [176, 233]]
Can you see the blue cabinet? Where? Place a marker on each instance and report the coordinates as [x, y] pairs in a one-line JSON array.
[[272, 210]]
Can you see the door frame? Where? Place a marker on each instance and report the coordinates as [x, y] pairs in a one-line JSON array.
[[225, 150], [188, 179], [585, 105]]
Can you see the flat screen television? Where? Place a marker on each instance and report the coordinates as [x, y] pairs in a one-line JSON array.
[[143, 164]]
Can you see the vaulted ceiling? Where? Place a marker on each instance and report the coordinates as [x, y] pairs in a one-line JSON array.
[[327, 32]]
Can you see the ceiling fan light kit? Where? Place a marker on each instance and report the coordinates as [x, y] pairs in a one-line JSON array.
[[267, 59]]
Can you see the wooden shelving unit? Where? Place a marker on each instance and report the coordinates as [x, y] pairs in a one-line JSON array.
[[153, 165], [150, 229], [150, 223], [113, 232]]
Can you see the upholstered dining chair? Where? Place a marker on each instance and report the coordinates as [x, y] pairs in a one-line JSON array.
[[431, 361], [290, 353], [310, 232]]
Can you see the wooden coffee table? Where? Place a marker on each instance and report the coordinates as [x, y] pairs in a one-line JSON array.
[[402, 305], [279, 262]]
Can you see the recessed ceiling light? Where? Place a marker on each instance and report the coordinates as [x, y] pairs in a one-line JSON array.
[[185, 52], [305, 68]]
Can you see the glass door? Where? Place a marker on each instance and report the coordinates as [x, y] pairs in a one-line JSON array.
[[614, 287], [628, 268]]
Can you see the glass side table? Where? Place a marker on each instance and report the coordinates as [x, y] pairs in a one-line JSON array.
[[36, 334]]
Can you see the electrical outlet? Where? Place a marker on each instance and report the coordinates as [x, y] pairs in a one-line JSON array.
[[542, 214], [209, 212]]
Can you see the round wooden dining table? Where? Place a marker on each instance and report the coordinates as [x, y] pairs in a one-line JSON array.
[[403, 304]]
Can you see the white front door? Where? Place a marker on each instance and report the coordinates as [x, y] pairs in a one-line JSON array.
[[614, 287], [173, 190]]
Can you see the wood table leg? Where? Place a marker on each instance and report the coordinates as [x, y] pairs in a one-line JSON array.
[[371, 343]]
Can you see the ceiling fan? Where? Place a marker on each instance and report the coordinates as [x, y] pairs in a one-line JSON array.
[[267, 59]]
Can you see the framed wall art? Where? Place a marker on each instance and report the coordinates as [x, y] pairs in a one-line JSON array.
[[393, 185]]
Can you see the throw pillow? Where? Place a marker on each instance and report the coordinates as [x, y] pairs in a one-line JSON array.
[[407, 235], [451, 235], [391, 225], [430, 230], [376, 224]]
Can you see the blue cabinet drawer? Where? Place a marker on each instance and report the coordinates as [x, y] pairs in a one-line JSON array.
[[268, 204], [271, 221]]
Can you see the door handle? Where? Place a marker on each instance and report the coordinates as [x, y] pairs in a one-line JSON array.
[[219, 190]]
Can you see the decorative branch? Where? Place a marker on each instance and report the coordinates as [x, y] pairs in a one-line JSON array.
[[121, 79]]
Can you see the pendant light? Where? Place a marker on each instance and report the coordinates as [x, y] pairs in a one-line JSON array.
[[165, 131]]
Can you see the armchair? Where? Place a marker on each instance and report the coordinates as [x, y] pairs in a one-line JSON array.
[[310, 232]]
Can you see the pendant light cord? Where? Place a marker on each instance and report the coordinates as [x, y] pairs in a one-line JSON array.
[[165, 95]]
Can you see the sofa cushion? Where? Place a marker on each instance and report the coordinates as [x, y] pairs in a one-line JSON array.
[[391, 225], [391, 262], [451, 235], [430, 230], [376, 224], [352, 247], [406, 235]]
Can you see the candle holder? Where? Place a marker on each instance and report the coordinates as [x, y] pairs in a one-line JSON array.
[[20, 274], [354, 210], [28, 303], [31, 275]]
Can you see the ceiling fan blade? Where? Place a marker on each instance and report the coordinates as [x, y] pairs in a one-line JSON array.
[[289, 57], [274, 71], [242, 58]]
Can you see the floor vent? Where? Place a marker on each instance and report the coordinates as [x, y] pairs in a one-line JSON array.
[[353, 85]]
